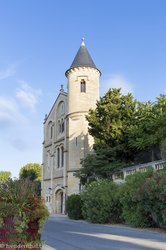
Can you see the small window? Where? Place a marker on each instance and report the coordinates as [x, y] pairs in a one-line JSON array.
[[58, 157], [51, 132], [62, 156], [59, 126], [48, 198], [83, 86], [62, 108], [62, 125]]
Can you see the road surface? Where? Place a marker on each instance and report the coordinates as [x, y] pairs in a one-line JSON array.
[[61, 233]]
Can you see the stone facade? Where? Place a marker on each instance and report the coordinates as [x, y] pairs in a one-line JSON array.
[[66, 137]]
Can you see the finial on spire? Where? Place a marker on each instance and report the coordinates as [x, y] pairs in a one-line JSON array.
[[83, 42]]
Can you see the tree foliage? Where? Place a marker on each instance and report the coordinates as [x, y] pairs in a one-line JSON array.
[[31, 171], [108, 124], [148, 127], [99, 165], [109, 121], [4, 175], [126, 132], [163, 149]]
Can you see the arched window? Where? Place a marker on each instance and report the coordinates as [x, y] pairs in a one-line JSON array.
[[83, 86], [62, 125], [62, 108], [51, 132], [59, 126], [58, 157], [62, 156]]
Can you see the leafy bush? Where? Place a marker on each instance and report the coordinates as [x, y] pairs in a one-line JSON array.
[[101, 202], [19, 202], [142, 197], [132, 211], [74, 207], [154, 203]]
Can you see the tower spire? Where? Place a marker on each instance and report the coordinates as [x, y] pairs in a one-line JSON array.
[[82, 58]]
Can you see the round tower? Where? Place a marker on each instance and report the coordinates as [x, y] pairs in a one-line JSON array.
[[83, 92], [83, 82]]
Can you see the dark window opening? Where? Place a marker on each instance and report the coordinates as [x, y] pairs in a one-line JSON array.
[[59, 127], [51, 132], [62, 156], [58, 157], [83, 86], [63, 126]]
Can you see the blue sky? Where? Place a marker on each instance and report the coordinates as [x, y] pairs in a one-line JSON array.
[[39, 39]]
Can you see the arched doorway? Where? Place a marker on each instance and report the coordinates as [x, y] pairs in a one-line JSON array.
[[59, 201]]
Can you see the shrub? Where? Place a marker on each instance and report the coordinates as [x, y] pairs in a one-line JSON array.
[[20, 204], [74, 207], [156, 193], [101, 202], [143, 200]]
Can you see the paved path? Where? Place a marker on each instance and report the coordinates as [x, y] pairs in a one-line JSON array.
[[61, 233], [46, 247]]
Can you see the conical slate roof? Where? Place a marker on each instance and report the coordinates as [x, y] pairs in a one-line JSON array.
[[82, 58]]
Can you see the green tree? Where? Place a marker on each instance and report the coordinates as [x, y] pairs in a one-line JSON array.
[[100, 165], [4, 175], [163, 149], [108, 124], [147, 130], [113, 114], [126, 132], [31, 171]]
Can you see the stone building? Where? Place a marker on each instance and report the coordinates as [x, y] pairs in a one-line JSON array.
[[66, 138]]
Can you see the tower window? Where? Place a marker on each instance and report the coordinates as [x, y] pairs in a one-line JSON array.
[[83, 86]]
